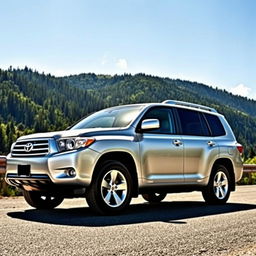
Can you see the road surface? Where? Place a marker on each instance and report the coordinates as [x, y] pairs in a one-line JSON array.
[[181, 225]]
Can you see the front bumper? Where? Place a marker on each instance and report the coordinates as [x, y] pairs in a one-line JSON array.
[[51, 169], [33, 182]]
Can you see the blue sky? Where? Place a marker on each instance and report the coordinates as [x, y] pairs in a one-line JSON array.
[[213, 42]]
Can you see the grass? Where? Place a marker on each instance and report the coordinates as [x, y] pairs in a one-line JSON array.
[[248, 179], [7, 190]]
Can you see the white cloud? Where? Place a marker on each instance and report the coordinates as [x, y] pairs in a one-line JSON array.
[[122, 63], [241, 90], [105, 59]]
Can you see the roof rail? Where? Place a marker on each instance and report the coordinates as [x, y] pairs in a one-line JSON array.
[[188, 104]]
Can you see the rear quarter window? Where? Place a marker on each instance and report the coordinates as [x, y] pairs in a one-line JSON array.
[[215, 125]]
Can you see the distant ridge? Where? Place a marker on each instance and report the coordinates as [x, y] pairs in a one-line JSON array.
[[30, 101]]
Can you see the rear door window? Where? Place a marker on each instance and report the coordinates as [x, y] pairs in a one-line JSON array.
[[192, 123]]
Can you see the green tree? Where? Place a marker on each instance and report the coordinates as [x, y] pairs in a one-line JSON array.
[[2, 140], [11, 136], [252, 153]]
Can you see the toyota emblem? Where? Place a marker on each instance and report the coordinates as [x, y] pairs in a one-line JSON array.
[[28, 147]]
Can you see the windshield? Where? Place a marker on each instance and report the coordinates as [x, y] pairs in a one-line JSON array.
[[110, 118]]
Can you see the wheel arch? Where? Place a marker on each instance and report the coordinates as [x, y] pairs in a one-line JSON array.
[[126, 159], [230, 167]]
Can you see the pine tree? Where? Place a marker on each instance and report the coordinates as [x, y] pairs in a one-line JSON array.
[[252, 153], [11, 136], [2, 140]]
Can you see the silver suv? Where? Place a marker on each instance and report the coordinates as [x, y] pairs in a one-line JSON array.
[[120, 152]]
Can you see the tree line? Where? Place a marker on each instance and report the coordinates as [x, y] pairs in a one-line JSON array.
[[33, 102]]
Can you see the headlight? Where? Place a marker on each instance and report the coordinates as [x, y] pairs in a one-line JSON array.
[[74, 143], [12, 147], [70, 144], [62, 145]]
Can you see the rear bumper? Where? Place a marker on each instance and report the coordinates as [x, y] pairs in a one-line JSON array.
[[238, 170]]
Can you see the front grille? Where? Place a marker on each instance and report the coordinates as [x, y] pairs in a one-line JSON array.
[[31, 148]]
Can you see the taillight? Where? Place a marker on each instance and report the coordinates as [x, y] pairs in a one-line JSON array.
[[240, 148]]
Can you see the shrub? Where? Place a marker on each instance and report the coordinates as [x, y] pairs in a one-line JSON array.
[[7, 190]]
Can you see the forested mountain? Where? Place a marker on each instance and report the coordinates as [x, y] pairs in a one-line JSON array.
[[31, 102]]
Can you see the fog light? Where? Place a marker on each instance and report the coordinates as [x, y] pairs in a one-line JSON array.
[[71, 172]]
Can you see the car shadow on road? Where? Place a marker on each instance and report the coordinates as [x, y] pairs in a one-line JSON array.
[[170, 212]]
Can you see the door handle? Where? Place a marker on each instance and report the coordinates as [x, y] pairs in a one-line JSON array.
[[211, 143], [177, 142]]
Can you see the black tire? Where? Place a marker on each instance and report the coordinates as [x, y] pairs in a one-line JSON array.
[[40, 200], [214, 188], [154, 197], [106, 198]]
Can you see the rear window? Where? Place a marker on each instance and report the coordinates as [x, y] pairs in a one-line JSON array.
[[215, 125], [192, 123]]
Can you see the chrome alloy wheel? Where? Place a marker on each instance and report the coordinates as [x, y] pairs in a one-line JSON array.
[[220, 185], [114, 188]]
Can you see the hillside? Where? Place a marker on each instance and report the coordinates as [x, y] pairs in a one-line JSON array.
[[30, 101]]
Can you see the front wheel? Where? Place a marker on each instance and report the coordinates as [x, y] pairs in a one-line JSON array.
[[40, 200], [218, 189], [111, 190]]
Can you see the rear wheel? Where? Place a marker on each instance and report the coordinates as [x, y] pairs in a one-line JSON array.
[[42, 200], [111, 191], [154, 197], [218, 188]]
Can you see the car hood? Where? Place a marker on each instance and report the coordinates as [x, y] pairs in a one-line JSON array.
[[67, 133]]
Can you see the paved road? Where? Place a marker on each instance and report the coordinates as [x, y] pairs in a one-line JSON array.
[[181, 225]]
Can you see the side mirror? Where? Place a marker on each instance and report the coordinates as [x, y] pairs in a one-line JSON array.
[[150, 124]]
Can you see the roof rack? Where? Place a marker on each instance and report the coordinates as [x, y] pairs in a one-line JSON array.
[[188, 104]]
